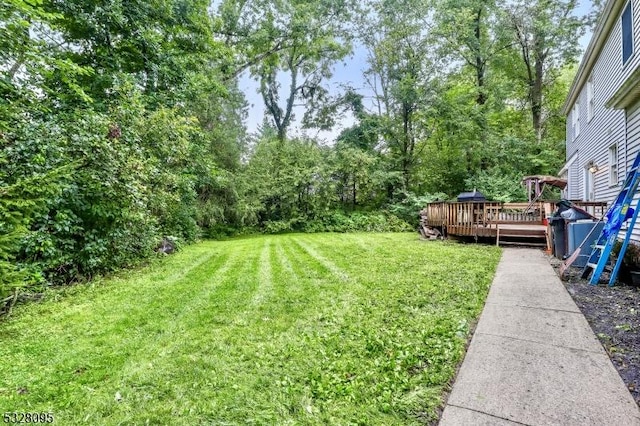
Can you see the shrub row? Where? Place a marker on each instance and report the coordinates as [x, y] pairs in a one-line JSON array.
[[339, 221]]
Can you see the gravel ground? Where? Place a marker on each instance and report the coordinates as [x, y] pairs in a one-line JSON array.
[[614, 315]]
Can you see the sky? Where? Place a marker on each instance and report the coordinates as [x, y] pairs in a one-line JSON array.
[[347, 72]]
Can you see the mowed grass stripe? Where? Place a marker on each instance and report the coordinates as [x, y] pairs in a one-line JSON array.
[[97, 315], [200, 337], [264, 277], [294, 285], [282, 256], [405, 281], [264, 333], [368, 246], [328, 264], [124, 299], [195, 303], [91, 348], [277, 340], [331, 290], [175, 267], [157, 358], [298, 287], [349, 253], [292, 329]]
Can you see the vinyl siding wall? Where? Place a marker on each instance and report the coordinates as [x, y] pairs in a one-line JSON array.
[[607, 126], [633, 140]]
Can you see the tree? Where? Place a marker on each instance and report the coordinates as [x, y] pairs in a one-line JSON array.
[[357, 174], [294, 191], [468, 32], [294, 42], [401, 74], [114, 93], [161, 43], [546, 34], [594, 14], [365, 133]]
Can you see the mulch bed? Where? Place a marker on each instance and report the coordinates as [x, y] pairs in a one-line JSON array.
[[614, 316]]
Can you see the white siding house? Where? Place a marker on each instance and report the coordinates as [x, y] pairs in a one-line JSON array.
[[603, 107]]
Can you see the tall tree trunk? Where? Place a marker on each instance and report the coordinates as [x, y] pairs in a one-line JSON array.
[[536, 95], [480, 67], [269, 90], [406, 146], [480, 61], [355, 202], [16, 66]]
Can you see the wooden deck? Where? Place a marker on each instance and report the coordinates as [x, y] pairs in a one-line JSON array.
[[497, 220]]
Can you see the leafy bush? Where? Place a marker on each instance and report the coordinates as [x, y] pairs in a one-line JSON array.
[[277, 226], [409, 208], [133, 181], [339, 221], [497, 186], [19, 202], [630, 261], [170, 143]]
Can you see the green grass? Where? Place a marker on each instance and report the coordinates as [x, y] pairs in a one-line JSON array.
[[295, 329]]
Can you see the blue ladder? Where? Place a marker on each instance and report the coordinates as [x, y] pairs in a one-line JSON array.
[[619, 212]]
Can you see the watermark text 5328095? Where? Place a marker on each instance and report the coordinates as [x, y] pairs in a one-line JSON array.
[[27, 418]]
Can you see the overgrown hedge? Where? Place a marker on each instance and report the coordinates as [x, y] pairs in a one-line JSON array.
[[339, 221], [131, 178]]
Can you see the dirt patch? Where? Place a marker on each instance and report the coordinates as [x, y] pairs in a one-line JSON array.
[[614, 316]]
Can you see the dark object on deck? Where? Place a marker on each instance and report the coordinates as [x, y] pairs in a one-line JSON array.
[[562, 206], [471, 196], [576, 213], [167, 246]]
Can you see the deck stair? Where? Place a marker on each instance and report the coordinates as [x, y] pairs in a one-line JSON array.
[[620, 211], [530, 235]]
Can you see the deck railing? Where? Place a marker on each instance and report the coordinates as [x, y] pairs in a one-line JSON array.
[[596, 209], [478, 218]]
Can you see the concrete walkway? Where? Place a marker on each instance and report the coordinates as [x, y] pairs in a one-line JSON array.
[[534, 360]]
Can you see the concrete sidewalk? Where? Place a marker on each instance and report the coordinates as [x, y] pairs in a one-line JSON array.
[[533, 359]]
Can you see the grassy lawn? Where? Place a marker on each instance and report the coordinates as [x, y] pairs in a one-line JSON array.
[[295, 329]]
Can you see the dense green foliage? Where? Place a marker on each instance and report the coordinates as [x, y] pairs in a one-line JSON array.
[[19, 202], [131, 102], [294, 329], [121, 123]]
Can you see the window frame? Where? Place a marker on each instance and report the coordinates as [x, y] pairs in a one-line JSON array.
[[613, 165]]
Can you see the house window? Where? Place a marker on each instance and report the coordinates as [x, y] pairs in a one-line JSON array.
[[627, 33], [590, 103], [613, 165], [575, 119]]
